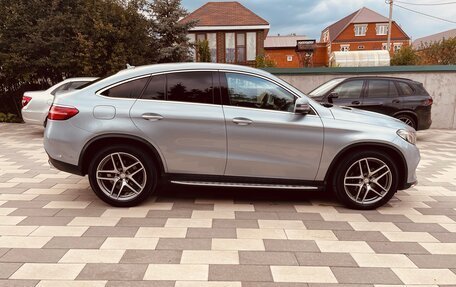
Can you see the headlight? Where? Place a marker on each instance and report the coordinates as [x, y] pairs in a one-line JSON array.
[[409, 136]]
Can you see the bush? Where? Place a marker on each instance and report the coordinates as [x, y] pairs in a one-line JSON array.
[[204, 54], [406, 56], [439, 53], [9, 118]]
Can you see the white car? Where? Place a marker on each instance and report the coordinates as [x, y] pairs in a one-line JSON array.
[[36, 104]]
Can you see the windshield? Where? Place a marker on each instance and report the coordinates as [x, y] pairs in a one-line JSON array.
[[323, 89]]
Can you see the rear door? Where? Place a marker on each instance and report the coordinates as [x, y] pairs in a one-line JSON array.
[[181, 116], [382, 97], [350, 93]]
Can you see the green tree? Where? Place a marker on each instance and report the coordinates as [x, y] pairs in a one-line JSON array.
[[262, 61], [168, 34], [439, 53], [406, 56], [45, 41], [204, 54]]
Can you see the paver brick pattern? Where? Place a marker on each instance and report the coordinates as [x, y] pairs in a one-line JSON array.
[[55, 232]]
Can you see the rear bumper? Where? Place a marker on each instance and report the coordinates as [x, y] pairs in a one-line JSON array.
[[66, 167], [424, 119]]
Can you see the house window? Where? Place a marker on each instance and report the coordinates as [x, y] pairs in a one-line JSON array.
[[384, 46], [251, 46], [360, 30], [360, 47], [191, 39], [212, 41], [289, 58], [345, 48], [381, 29], [230, 48], [325, 36], [240, 48], [397, 47]]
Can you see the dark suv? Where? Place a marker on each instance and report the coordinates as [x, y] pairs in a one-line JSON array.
[[401, 98]]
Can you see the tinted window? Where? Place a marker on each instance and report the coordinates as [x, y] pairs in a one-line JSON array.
[[75, 85], [129, 90], [406, 90], [155, 89], [253, 92], [350, 90], [195, 87], [381, 89], [59, 88]]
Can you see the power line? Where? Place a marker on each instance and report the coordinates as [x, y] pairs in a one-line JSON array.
[[425, 4], [424, 14]]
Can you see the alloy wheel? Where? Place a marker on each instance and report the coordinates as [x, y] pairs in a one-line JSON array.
[[121, 176], [368, 180]]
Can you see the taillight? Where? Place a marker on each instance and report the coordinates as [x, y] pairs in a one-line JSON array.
[[427, 102], [26, 100], [61, 113]]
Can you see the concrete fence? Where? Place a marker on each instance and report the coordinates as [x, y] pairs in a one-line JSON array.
[[439, 81]]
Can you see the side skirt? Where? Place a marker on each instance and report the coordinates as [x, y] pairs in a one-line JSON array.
[[243, 182]]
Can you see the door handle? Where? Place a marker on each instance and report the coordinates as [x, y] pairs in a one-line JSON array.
[[242, 121], [396, 101], [152, 117], [356, 103]]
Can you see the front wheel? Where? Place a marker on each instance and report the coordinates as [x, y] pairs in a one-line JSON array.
[[122, 176], [366, 180]]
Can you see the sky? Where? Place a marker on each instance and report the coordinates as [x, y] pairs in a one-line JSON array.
[[310, 17]]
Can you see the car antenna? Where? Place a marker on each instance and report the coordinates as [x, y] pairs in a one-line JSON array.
[[130, 66]]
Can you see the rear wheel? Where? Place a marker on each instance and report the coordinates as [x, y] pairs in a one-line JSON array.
[[122, 176], [366, 180], [409, 120]]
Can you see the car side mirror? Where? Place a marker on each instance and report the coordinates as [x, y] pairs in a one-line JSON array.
[[332, 96], [302, 106]]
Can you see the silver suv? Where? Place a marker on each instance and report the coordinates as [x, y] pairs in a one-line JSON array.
[[224, 125]]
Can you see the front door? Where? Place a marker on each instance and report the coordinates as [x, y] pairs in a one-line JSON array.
[[178, 115], [265, 138], [350, 93]]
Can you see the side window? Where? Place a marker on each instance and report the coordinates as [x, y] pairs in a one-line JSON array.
[[350, 89], [381, 89], [155, 89], [128, 90], [59, 88], [194, 87], [253, 92], [75, 85], [406, 90]]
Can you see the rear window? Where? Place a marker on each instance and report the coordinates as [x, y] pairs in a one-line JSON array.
[[128, 90], [405, 88], [75, 85]]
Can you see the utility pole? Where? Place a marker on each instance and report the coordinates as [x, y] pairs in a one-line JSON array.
[[388, 47]]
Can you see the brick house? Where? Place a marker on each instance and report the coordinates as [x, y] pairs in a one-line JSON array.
[[235, 34], [364, 29], [284, 52]]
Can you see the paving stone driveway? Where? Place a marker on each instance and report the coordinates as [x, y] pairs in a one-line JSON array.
[[54, 230]]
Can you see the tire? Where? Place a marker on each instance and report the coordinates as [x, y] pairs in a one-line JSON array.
[[371, 190], [134, 183], [409, 120]]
